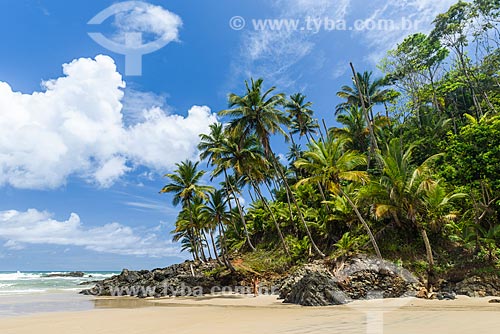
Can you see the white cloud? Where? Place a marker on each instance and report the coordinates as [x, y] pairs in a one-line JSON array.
[[161, 140], [420, 13], [76, 127], [272, 53], [150, 19], [13, 245], [275, 54], [36, 227], [136, 103]]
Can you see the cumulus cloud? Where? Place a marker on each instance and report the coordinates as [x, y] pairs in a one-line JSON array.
[[75, 127], [151, 19], [37, 227]]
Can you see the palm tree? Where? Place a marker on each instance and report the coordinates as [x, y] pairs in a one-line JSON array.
[[256, 113], [189, 229], [185, 183], [301, 116], [185, 186], [406, 192], [185, 233], [371, 91], [217, 217], [355, 129], [330, 165], [209, 143], [213, 146], [246, 159]]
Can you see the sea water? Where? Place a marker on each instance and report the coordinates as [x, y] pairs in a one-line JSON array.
[[33, 282], [32, 292]]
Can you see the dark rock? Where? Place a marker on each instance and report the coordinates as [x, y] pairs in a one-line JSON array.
[[446, 296], [70, 274], [316, 289], [477, 286], [360, 278], [494, 301], [177, 280]]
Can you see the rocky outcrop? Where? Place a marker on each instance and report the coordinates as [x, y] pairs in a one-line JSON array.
[[315, 289], [477, 286], [361, 278], [70, 274], [185, 279]]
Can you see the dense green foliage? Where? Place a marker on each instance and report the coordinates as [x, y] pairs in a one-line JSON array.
[[411, 172]]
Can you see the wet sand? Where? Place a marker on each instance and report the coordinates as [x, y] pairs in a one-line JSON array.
[[265, 314]]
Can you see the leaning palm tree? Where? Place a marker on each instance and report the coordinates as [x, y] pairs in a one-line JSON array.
[[329, 164], [406, 192], [212, 147], [301, 116], [257, 113], [245, 157]]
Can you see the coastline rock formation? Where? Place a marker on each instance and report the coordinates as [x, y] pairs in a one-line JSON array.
[[185, 279], [70, 274], [360, 278], [315, 284]]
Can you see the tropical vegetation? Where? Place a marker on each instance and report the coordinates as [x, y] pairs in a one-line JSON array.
[[410, 171]]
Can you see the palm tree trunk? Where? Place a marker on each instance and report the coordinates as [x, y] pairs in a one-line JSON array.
[[224, 251], [195, 237], [373, 139], [365, 225], [285, 247], [430, 257], [242, 216], [202, 251], [228, 192], [215, 248], [292, 196], [208, 247]]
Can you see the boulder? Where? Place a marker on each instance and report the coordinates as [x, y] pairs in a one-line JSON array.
[[316, 289]]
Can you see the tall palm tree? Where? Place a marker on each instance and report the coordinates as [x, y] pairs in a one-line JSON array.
[[209, 143], [245, 157], [213, 146], [217, 217], [301, 116], [330, 165], [256, 113], [185, 186]]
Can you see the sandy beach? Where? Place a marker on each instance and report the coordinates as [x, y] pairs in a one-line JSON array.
[[264, 314]]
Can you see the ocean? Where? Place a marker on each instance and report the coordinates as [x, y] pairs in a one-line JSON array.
[[35, 282], [31, 292]]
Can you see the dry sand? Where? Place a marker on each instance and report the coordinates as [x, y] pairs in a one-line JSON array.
[[244, 314]]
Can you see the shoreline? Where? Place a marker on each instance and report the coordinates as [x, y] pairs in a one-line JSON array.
[[245, 314]]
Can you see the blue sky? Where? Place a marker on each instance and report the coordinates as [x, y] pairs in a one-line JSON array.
[[83, 147]]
